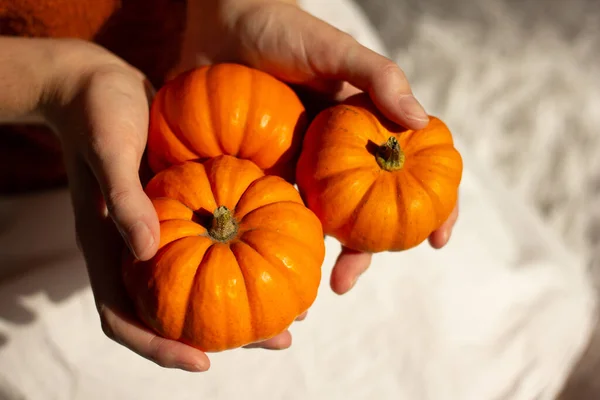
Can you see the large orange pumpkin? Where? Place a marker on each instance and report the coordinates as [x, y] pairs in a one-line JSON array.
[[240, 255], [374, 185], [226, 109]]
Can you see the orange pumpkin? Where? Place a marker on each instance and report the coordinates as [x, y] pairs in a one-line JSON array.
[[239, 258], [374, 185], [226, 109]]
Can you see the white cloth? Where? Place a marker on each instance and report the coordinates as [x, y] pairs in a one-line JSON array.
[[502, 312]]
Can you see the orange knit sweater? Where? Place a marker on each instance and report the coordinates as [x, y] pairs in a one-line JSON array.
[[145, 33]]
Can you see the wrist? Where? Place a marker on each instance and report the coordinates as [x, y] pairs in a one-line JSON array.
[[212, 33], [26, 68], [230, 11], [40, 76]]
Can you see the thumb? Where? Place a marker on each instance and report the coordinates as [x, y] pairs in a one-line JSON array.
[[336, 55], [118, 112]]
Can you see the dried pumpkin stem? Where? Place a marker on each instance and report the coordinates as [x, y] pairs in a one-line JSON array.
[[390, 156], [224, 226]]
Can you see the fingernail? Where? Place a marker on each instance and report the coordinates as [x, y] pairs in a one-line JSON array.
[[447, 234], [139, 237], [190, 367], [412, 108]]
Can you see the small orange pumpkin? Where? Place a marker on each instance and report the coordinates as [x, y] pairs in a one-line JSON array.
[[226, 109], [374, 185], [239, 257]]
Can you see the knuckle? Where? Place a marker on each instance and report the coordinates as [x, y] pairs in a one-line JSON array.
[[117, 146], [105, 323], [345, 49], [114, 74], [104, 151], [155, 353], [115, 198], [103, 146], [390, 69]]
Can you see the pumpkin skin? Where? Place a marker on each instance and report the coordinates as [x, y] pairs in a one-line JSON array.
[[239, 255], [226, 109], [374, 185]]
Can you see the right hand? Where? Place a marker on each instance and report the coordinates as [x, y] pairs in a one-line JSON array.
[[287, 42]]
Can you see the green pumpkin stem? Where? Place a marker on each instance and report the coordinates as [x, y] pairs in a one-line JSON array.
[[224, 226], [390, 156]]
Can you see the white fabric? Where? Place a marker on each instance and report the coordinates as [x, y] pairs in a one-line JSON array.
[[501, 313]]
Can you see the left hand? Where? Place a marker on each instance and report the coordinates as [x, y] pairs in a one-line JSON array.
[[278, 37]]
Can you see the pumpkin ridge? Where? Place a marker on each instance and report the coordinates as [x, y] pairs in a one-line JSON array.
[[433, 196], [442, 171], [177, 132], [166, 188], [283, 235], [253, 183], [170, 233], [340, 174], [406, 140], [252, 322], [165, 249], [302, 208], [188, 309], [261, 181], [266, 142], [360, 205], [339, 182], [437, 146], [169, 198], [277, 268], [247, 298], [401, 206], [246, 124], [215, 129], [377, 123], [397, 194], [264, 206], [166, 246]]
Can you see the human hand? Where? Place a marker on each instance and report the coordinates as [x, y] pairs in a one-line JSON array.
[[278, 37], [98, 105]]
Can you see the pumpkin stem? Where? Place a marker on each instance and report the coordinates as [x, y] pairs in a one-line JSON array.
[[390, 156], [224, 226]]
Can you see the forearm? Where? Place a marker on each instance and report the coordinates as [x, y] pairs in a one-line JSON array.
[[26, 67]]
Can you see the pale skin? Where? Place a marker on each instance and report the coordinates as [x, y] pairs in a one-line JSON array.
[[98, 106]]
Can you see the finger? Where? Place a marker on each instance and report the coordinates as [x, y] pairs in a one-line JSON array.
[[440, 237], [346, 91], [164, 352], [302, 316], [279, 342], [118, 106], [336, 55], [347, 269]]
